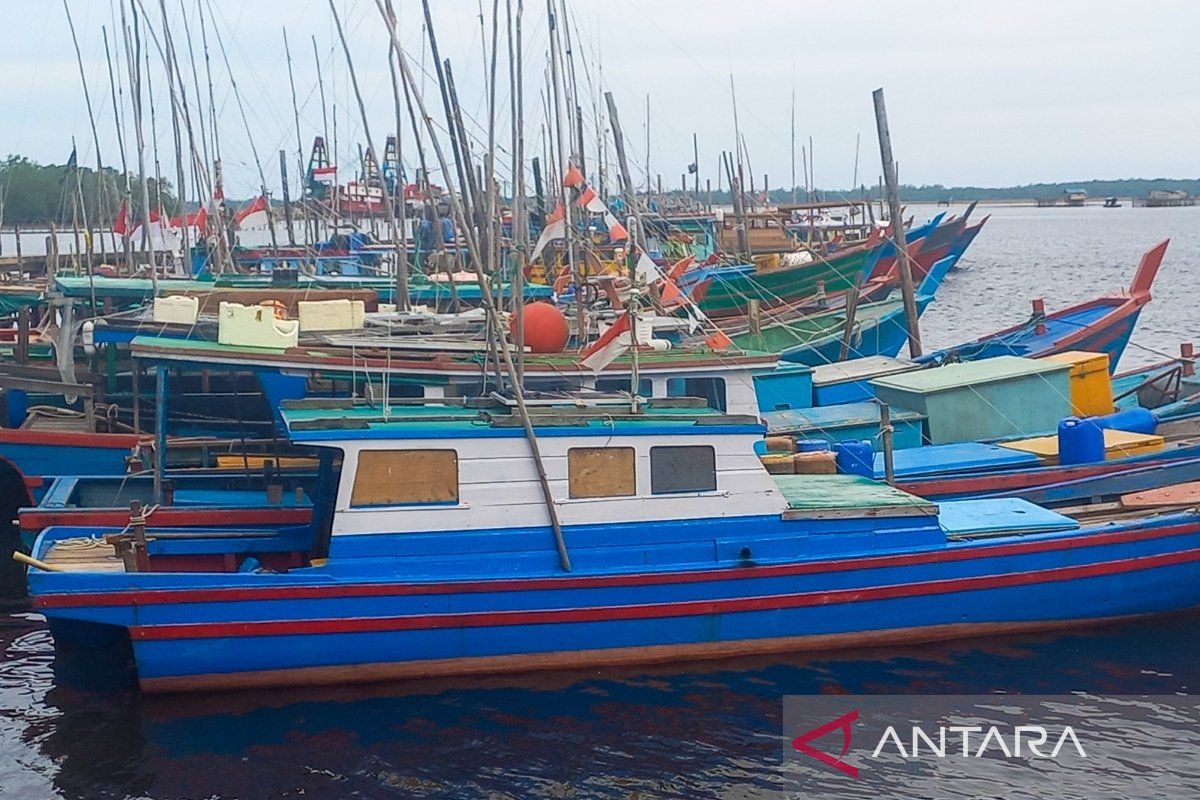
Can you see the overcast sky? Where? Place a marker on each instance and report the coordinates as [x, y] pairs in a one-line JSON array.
[[979, 93]]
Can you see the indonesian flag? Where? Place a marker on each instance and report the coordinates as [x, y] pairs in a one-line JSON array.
[[588, 199], [555, 228], [604, 351], [253, 215], [197, 219], [326, 175], [160, 233], [121, 223]]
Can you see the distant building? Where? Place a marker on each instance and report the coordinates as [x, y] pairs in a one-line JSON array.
[[1165, 198], [1074, 197]]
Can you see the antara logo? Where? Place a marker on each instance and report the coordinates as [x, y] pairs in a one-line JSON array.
[[946, 741], [843, 723]]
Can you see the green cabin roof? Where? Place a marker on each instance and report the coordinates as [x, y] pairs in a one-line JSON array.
[[969, 373], [315, 420]]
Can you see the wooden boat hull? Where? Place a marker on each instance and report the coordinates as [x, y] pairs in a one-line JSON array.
[[244, 630], [730, 289], [1103, 325]]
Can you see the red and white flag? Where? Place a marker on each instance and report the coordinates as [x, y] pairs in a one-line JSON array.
[[121, 223], [555, 228], [253, 215], [197, 219], [586, 199], [607, 348], [326, 175]]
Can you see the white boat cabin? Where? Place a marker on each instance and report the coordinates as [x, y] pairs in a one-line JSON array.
[[468, 466]]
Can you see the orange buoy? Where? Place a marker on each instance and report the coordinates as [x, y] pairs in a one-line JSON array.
[[546, 329]]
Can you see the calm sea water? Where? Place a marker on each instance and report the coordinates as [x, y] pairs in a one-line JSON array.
[[711, 731]]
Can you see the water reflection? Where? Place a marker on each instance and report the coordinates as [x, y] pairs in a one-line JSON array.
[[702, 731]]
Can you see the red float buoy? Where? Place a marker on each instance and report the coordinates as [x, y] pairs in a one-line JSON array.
[[546, 329]]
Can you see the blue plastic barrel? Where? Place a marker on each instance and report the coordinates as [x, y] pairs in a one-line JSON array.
[[1080, 441], [811, 446], [856, 458], [1131, 420]]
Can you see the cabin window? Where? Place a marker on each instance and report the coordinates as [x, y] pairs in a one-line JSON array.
[[711, 390], [405, 477], [688, 468], [601, 471], [616, 385]]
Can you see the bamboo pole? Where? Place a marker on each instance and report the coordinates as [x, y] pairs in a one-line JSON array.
[[488, 304], [181, 190], [87, 98], [387, 197], [127, 245], [520, 221], [133, 56], [556, 78], [897, 226], [262, 178], [401, 294], [299, 145]]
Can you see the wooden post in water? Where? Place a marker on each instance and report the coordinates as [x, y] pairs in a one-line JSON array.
[[287, 198], [51, 254], [885, 433], [160, 430], [135, 380], [21, 356], [622, 160], [20, 258], [852, 296], [897, 225]]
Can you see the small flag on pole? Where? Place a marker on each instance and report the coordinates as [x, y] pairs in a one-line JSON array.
[[718, 340], [608, 347]]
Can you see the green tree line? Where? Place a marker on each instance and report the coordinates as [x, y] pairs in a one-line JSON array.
[[930, 193], [35, 194]]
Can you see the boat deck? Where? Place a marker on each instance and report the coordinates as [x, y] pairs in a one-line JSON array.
[[849, 497], [83, 555]]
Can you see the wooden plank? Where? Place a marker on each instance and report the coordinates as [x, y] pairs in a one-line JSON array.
[[601, 471], [876, 512], [405, 477]]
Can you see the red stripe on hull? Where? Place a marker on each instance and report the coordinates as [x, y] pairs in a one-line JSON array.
[[688, 608], [35, 521], [162, 596], [114, 441]]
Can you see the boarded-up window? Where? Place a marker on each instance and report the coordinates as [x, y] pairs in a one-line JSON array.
[[689, 468], [405, 477], [601, 471]]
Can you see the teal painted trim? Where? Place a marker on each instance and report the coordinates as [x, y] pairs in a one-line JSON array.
[[400, 434]]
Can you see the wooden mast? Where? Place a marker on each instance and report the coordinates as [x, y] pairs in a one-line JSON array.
[[133, 58], [127, 198], [487, 302], [520, 222], [564, 192], [401, 298], [387, 197], [897, 225]]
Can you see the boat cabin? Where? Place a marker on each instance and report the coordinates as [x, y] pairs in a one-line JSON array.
[[424, 467], [451, 489]]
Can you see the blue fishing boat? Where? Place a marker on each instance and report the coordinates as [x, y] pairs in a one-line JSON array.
[[1102, 325], [442, 544]]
